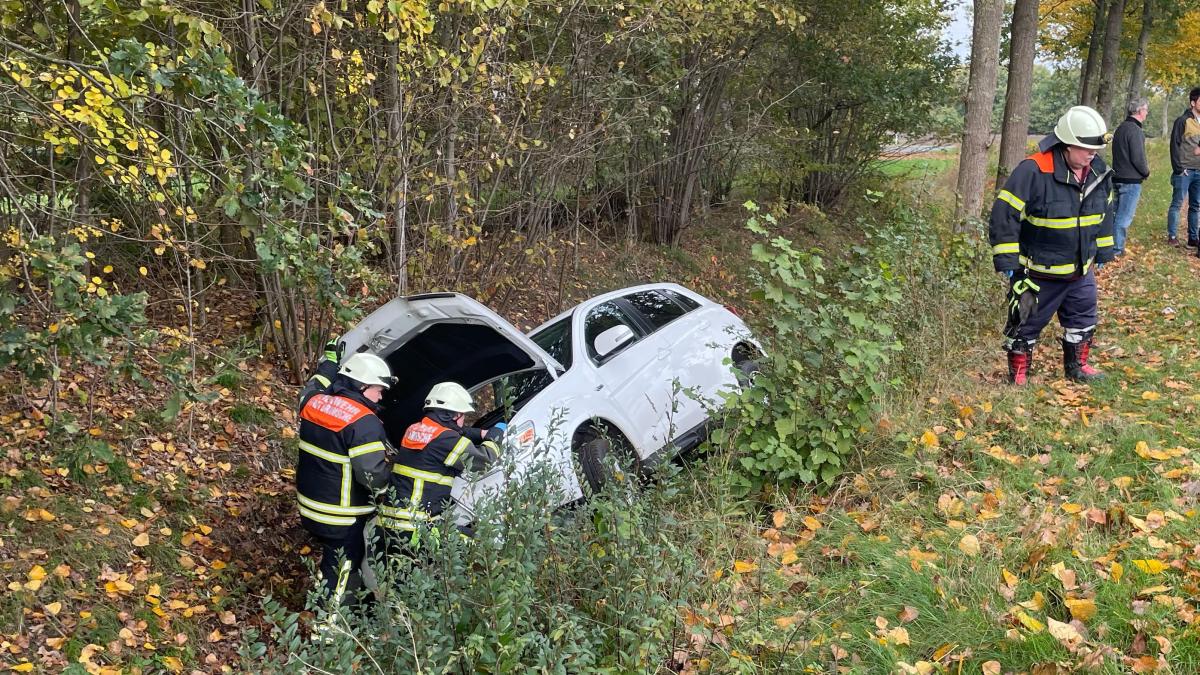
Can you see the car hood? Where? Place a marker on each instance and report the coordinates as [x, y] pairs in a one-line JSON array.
[[440, 337]]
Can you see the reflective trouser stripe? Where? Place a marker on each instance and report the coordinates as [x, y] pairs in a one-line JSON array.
[[343, 580]]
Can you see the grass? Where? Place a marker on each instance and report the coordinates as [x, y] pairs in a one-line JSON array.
[[989, 513]]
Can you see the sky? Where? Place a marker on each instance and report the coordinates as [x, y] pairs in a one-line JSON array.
[[958, 33]]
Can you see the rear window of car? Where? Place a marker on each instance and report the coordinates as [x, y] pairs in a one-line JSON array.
[[684, 301], [658, 308], [555, 340]]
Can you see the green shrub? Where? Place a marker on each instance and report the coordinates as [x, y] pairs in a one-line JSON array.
[[826, 348], [594, 589]]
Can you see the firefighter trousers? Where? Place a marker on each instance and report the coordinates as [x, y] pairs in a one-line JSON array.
[[1033, 301], [341, 564]]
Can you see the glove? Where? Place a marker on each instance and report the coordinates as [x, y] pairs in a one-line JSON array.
[[1008, 274], [497, 431], [333, 349]]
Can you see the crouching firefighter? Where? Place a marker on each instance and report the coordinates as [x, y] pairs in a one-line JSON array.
[[1051, 228], [432, 453], [341, 466]]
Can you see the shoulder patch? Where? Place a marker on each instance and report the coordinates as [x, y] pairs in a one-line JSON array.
[[1044, 161], [333, 412]]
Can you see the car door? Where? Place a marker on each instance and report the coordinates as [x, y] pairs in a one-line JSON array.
[[679, 353], [629, 376]]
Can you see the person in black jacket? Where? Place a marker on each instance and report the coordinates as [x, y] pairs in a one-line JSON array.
[[342, 465], [1185, 174], [1130, 168], [432, 453], [1050, 228]]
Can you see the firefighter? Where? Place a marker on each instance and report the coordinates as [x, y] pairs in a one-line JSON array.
[[342, 464], [432, 452], [1051, 229]]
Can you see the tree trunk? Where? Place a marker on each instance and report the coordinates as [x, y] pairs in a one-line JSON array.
[[1087, 84], [1137, 75], [1107, 87], [981, 93], [1022, 45]]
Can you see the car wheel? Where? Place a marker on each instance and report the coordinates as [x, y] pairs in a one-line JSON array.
[[745, 371], [601, 460]]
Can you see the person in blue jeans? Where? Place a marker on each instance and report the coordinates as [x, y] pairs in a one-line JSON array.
[[1185, 171], [1130, 168]]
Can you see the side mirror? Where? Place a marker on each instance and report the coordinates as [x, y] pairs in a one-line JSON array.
[[612, 339]]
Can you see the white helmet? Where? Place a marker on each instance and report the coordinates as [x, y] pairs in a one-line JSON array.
[[450, 396], [368, 369], [1083, 127]]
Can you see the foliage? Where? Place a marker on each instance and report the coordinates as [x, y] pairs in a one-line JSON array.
[[592, 590], [54, 307], [826, 348]]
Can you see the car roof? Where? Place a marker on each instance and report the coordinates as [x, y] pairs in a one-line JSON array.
[[620, 292]]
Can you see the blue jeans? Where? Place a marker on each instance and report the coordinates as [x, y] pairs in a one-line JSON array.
[[1187, 183], [1127, 200]]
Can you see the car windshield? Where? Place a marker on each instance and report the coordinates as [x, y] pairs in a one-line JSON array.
[[555, 340]]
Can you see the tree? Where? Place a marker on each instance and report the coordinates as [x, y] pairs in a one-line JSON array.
[[1087, 83], [981, 93], [1137, 74], [1107, 87], [1022, 45]]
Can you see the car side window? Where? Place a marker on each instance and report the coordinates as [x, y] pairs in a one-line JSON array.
[[657, 308], [601, 318], [684, 301], [555, 339]]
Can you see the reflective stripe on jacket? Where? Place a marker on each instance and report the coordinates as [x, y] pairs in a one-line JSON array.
[[431, 454], [341, 460], [1044, 220]]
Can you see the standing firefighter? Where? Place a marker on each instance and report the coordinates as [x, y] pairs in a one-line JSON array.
[[341, 465], [433, 452], [1051, 228]]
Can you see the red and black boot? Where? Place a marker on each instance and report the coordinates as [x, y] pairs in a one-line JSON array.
[[1019, 364], [1075, 361]]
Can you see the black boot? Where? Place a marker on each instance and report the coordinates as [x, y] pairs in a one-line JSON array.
[[1075, 361]]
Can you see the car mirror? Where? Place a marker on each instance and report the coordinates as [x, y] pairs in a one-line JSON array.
[[612, 339]]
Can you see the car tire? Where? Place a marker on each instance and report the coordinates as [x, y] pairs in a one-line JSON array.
[[601, 460], [745, 371]]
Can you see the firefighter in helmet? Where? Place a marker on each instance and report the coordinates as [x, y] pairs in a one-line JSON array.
[[1051, 229], [342, 464], [432, 452]]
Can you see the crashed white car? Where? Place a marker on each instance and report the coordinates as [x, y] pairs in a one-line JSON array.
[[634, 371]]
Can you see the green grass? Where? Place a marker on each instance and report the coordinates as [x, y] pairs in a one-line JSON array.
[[926, 166]]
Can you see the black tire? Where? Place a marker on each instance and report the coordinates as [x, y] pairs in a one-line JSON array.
[[601, 460], [745, 371]]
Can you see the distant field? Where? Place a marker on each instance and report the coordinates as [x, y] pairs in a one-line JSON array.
[[924, 165]]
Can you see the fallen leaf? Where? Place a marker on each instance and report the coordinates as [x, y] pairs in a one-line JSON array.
[[1064, 632], [743, 566], [990, 668], [142, 539], [898, 636], [779, 518], [1150, 566], [1081, 608], [1116, 571], [969, 544]]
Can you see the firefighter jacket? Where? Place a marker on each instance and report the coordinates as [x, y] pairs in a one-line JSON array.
[[1046, 221], [432, 453], [342, 460]]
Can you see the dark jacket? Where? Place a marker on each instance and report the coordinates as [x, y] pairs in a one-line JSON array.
[[1129, 153], [342, 460], [1177, 140], [1045, 221], [432, 453]]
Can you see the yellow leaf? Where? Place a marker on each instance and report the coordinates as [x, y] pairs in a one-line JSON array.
[[742, 566], [990, 668], [898, 636], [142, 539], [812, 523], [1116, 571], [23, 667], [1063, 631], [779, 518], [943, 651], [1150, 566], [1081, 608], [789, 558], [1010, 579], [37, 573], [1151, 395], [1072, 508], [969, 544], [1029, 622], [929, 439], [54, 608], [785, 621], [173, 664]]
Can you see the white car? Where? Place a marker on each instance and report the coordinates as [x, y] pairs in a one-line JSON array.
[[635, 370]]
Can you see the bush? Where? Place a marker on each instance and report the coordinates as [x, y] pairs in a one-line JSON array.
[[594, 589], [826, 348]]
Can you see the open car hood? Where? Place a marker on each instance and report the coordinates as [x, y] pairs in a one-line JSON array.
[[440, 337]]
